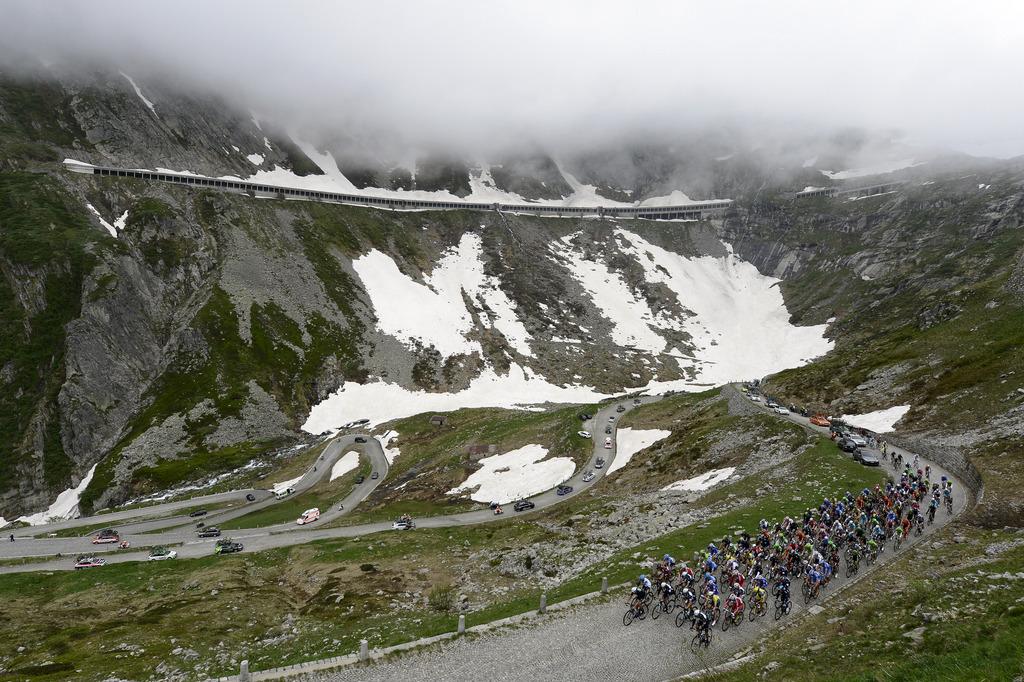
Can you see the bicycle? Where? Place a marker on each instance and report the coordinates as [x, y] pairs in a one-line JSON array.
[[637, 611], [665, 605], [949, 506], [732, 618], [758, 606], [896, 543], [701, 639], [685, 615], [783, 606]]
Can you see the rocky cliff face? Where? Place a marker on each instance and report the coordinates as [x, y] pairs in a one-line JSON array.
[[201, 332]]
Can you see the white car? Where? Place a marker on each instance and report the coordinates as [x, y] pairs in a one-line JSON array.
[[859, 441], [755, 398], [607, 443], [281, 494], [162, 554], [588, 477], [583, 434], [611, 418], [308, 516], [779, 409]]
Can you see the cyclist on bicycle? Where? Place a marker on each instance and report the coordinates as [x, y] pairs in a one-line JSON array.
[[641, 589]]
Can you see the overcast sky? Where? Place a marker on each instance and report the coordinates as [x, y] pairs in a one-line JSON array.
[[470, 72]]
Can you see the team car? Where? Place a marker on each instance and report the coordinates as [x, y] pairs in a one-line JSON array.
[[523, 505], [588, 476], [89, 562], [403, 522], [227, 547], [607, 443], [162, 554], [308, 516], [819, 420], [564, 489], [583, 434], [599, 463], [106, 536], [209, 532]]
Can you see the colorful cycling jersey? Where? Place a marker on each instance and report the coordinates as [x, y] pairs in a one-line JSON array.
[[814, 577], [826, 569]]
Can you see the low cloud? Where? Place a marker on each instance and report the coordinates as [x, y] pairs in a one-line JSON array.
[[473, 75]]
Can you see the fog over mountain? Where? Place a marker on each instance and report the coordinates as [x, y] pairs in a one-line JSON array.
[[478, 77]]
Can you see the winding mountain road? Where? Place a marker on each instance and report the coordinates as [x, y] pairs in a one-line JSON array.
[[143, 532], [589, 642]]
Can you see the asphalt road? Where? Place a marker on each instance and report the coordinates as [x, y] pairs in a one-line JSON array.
[[179, 531], [590, 643]]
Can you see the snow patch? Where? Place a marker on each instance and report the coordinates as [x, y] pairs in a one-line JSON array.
[[110, 228], [740, 327], [698, 483], [348, 462], [876, 169], [434, 312], [629, 441], [284, 485], [520, 473], [255, 159], [64, 507], [879, 421], [379, 401], [138, 92], [390, 454]]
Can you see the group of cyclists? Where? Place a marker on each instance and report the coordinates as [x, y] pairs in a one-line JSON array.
[[731, 579]]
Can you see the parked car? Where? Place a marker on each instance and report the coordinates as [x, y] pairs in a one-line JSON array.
[[599, 463], [588, 476], [584, 417], [227, 547], [403, 523], [89, 562], [583, 434], [779, 409], [250, 497], [620, 408], [308, 516], [858, 440], [755, 398], [209, 532], [846, 445], [523, 505], [564, 489], [197, 512], [360, 478], [771, 404], [819, 420], [869, 459], [607, 443], [162, 554], [106, 536], [360, 439], [375, 475]]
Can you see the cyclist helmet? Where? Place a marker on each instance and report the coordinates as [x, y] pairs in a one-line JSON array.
[[666, 557]]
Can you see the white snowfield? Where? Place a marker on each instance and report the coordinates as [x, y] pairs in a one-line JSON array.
[[879, 421], [738, 322], [110, 228], [522, 472], [698, 483], [284, 485], [874, 169], [346, 463], [629, 441], [64, 507], [434, 313], [390, 454]]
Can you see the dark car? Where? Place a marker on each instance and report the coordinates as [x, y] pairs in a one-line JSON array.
[[360, 439], [360, 478], [375, 475], [523, 505], [846, 445], [869, 459], [599, 463], [564, 489], [211, 532], [228, 547], [607, 429], [584, 417], [620, 408], [197, 512], [636, 401], [250, 497]]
